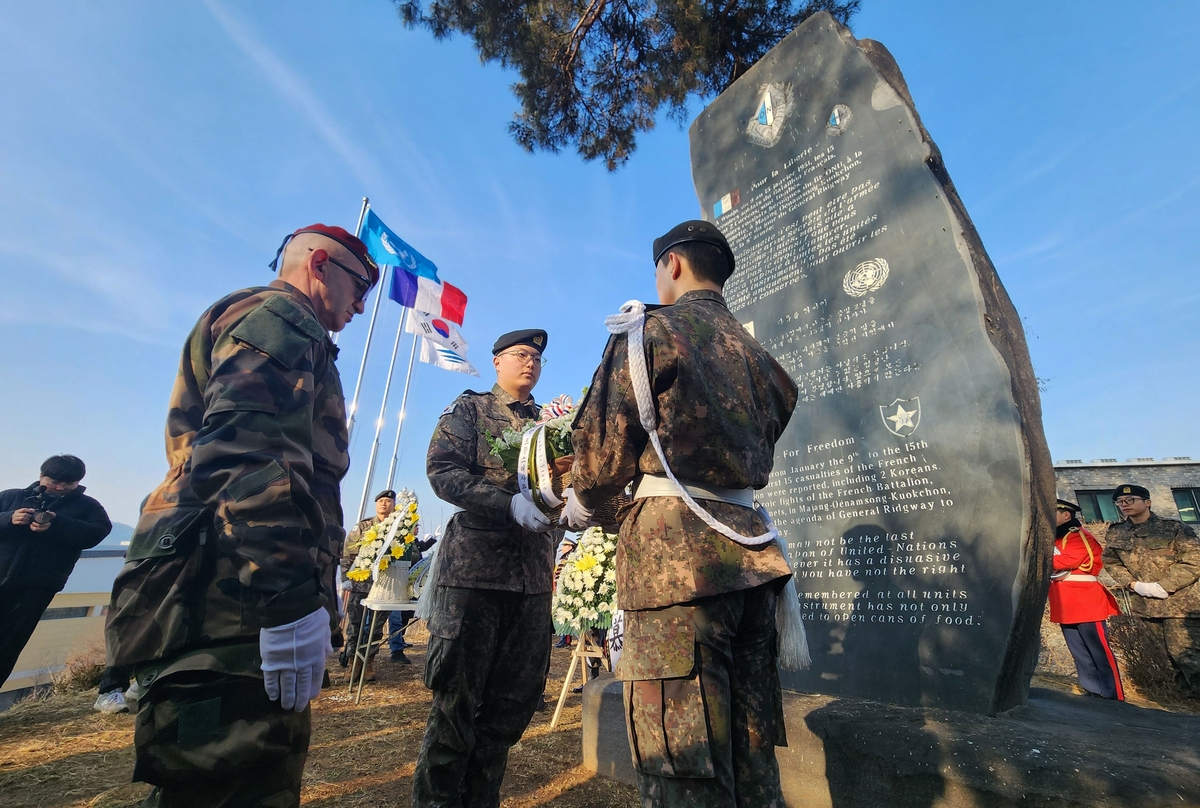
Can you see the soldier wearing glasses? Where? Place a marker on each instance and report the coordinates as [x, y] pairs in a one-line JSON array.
[[489, 645], [1158, 560], [225, 606]]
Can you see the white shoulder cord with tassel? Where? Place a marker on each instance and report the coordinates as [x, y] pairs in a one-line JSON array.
[[793, 645]]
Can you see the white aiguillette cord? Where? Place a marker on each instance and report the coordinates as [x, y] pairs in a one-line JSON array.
[[793, 643], [630, 322]]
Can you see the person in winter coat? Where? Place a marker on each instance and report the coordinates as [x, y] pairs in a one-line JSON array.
[[43, 529], [1080, 604]]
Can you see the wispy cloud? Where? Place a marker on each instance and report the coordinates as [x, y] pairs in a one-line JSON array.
[[297, 92]]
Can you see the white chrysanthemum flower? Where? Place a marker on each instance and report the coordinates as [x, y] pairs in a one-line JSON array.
[[589, 596]]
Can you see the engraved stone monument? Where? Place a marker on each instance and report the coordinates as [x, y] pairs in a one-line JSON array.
[[913, 485]]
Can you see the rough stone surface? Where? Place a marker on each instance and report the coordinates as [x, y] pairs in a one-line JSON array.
[[1057, 750], [914, 485], [605, 739]]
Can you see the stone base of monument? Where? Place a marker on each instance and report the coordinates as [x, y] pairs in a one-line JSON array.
[[1056, 751], [605, 740]]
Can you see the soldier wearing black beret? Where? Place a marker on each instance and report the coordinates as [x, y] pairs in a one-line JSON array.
[[489, 645], [1159, 561], [700, 608]]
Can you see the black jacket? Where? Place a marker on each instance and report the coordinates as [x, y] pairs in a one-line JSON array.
[[46, 559]]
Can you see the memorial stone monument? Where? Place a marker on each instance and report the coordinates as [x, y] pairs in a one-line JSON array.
[[913, 485]]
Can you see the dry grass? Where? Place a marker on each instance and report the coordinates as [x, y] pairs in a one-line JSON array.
[[58, 752], [83, 671]]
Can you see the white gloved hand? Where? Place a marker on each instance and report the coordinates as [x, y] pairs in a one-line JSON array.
[[1153, 590], [293, 659], [527, 515], [575, 515]]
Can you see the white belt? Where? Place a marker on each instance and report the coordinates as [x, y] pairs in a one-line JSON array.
[[1073, 577], [658, 485]]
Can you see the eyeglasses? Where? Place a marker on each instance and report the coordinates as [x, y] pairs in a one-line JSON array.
[[524, 357], [365, 282], [1128, 500]]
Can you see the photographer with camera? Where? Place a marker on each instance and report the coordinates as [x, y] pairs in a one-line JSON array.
[[43, 529]]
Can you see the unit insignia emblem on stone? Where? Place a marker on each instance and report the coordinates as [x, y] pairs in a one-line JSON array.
[[869, 276], [902, 416], [765, 126]]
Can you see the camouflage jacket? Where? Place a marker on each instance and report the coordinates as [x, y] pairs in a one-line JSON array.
[[483, 548], [722, 403], [353, 543], [245, 530], [1163, 551]]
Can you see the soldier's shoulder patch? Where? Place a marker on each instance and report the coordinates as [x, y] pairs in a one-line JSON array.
[[280, 329], [462, 398]]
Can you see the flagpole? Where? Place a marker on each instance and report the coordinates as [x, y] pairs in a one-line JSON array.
[[362, 366], [362, 507], [362, 214], [403, 408]]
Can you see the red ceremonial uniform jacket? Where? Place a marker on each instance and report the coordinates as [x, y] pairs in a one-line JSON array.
[[1078, 554]]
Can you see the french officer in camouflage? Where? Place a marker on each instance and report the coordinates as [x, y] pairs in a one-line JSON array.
[[489, 644], [702, 693], [1158, 561], [226, 604]]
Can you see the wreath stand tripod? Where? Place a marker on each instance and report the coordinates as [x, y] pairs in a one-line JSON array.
[[586, 648]]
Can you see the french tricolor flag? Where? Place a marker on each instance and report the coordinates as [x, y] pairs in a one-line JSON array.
[[429, 295]]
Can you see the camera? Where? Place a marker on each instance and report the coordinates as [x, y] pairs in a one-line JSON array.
[[41, 501]]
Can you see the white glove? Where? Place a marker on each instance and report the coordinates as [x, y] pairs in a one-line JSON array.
[[293, 659], [1153, 590], [527, 515], [574, 515]]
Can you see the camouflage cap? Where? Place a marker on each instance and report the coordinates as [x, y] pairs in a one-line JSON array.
[[341, 236], [533, 337], [693, 230], [1130, 491]]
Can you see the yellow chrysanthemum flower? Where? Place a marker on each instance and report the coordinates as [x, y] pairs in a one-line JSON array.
[[586, 562]]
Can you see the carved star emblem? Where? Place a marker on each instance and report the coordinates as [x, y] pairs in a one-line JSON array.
[[902, 418]]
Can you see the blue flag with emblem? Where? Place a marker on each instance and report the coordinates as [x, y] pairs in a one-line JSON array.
[[388, 248]]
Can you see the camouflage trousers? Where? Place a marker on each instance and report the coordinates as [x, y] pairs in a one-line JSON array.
[[209, 739], [486, 665], [703, 703], [1181, 638]]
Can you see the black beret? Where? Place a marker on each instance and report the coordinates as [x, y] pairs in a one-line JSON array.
[[694, 230], [1062, 504], [533, 337], [1130, 491], [388, 493]]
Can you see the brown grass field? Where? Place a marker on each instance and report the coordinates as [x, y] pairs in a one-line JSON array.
[[56, 752]]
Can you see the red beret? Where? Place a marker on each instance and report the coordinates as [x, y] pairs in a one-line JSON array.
[[341, 236]]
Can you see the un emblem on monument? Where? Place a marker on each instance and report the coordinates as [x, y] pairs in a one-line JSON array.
[[765, 127], [902, 416], [869, 276]]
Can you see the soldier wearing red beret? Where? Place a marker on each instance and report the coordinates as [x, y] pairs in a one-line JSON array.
[[1080, 604]]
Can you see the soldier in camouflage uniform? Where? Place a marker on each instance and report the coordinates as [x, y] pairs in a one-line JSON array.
[[1158, 560], [226, 604], [489, 644], [702, 693], [356, 616]]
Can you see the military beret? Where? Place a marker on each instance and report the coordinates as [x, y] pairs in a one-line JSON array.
[[387, 493], [1063, 505], [533, 337], [1130, 491], [694, 230], [341, 236]]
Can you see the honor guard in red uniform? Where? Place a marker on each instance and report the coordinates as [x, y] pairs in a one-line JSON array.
[[1080, 604]]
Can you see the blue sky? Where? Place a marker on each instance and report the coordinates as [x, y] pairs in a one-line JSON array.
[[154, 154]]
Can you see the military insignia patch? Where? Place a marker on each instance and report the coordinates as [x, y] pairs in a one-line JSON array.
[[538, 341], [905, 420], [765, 126]]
